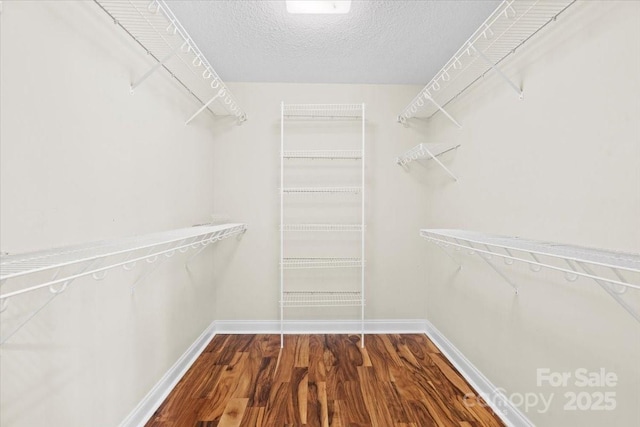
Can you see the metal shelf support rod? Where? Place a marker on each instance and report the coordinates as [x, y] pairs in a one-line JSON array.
[[615, 295], [450, 256], [428, 96], [152, 70], [497, 270], [440, 163], [46, 303], [204, 106], [485, 256], [504, 77]]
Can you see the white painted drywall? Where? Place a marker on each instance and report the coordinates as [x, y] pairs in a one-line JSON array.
[[83, 160], [377, 42], [562, 165]]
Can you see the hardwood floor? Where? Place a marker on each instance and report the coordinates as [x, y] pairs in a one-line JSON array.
[[321, 380]]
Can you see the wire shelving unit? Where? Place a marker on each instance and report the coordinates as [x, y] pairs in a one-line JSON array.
[[321, 262], [155, 28], [607, 268], [428, 151], [511, 25], [322, 297], [55, 269], [322, 190], [106, 255]]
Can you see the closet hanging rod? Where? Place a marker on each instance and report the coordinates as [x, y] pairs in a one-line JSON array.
[[155, 28]]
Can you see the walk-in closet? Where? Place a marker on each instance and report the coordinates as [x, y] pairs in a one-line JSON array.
[[325, 213]]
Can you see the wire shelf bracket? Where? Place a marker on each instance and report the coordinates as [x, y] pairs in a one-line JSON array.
[[502, 75], [205, 106], [153, 26], [580, 261], [430, 152], [153, 69], [440, 108], [511, 25]]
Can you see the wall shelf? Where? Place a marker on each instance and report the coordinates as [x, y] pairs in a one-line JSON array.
[[605, 267], [509, 26], [323, 111], [154, 27], [428, 152], [320, 262], [55, 269], [324, 154], [322, 299], [69, 263], [354, 190]]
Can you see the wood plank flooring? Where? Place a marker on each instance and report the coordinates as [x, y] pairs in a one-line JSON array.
[[321, 380]]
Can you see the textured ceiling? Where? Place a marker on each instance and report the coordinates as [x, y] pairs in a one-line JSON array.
[[378, 42]]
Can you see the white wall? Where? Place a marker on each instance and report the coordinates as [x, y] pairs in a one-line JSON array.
[[562, 165], [83, 160]]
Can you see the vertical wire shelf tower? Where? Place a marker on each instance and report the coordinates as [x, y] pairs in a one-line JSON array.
[[290, 298]]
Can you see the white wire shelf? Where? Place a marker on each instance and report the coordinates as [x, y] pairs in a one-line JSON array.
[[70, 263], [321, 190], [605, 267], [320, 262], [322, 299], [154, 27], [428, 152], [322, 111], [509, 26], [324, 154], [322, 227], [425, 151]]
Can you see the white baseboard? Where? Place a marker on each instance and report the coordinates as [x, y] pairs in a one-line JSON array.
[[402, 326], [152, 401], [494, 396]]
